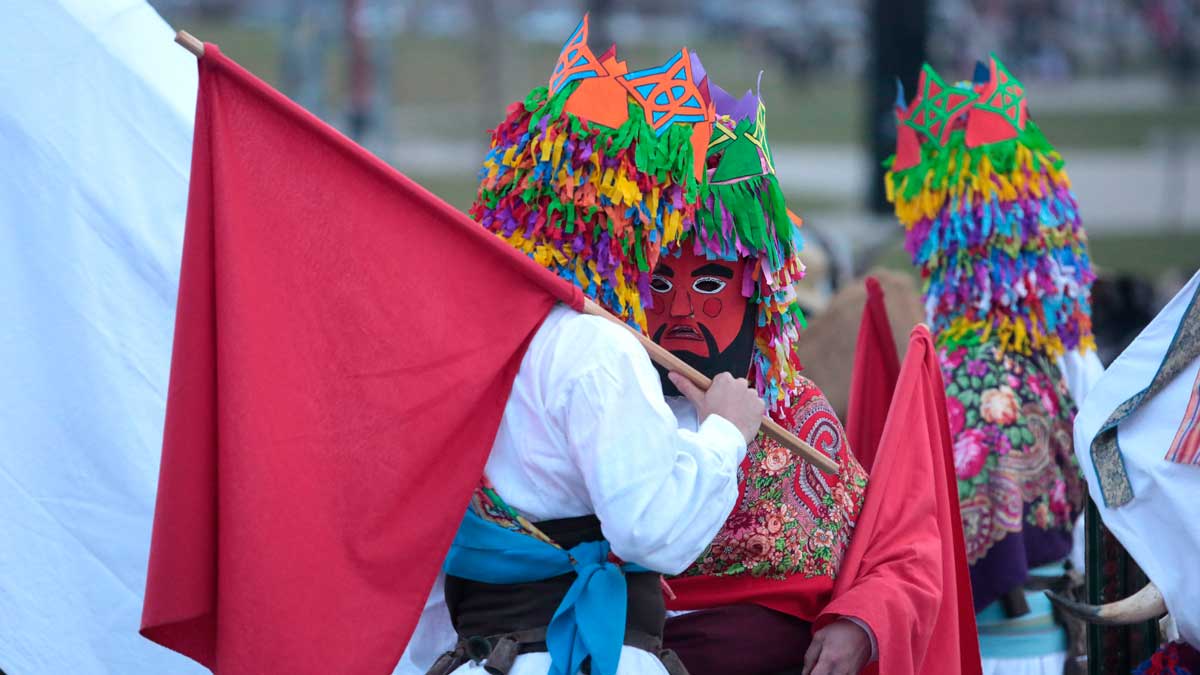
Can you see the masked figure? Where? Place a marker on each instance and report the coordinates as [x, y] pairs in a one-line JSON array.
[[592, 489], [992, 225], [724, 302]]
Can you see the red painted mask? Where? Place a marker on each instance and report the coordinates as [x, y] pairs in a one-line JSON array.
[[699, 308]]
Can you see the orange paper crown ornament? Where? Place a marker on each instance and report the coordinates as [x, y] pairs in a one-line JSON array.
[[673, 93], [593, 173], [599, 97], [676, 93]]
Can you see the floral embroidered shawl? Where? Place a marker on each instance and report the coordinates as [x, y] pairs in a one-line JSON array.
[[1019, 485], [784, 541]]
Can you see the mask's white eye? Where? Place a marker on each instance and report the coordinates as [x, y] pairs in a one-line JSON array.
[[660, 284], [708, 285]]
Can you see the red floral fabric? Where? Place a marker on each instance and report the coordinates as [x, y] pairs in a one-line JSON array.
[[790, 518]]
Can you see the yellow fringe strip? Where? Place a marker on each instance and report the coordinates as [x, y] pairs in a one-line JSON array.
[[1010, 336], [972, 184]]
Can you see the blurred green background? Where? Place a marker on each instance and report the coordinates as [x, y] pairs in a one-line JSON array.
[[1111, 82]]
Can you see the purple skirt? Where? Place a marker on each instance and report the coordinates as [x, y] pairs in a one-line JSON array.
[[745, 639]]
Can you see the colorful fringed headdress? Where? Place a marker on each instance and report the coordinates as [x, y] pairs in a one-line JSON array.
[[593, 173], [743, 215], [990, 218]]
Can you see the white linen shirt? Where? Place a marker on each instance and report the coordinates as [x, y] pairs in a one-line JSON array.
[[1081, 372], [586, 431]]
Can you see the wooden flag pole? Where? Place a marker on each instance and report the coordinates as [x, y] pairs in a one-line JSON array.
[[666, 359], [190, 43], [657, 353]]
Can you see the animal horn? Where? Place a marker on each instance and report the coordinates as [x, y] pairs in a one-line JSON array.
[[1144, 605]]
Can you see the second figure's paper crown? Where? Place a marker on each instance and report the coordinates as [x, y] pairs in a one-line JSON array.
[[742, 210], [739, 138], [742, 215]]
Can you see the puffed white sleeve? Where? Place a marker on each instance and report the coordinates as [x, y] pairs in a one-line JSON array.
[[661, 492], [1081, 371]]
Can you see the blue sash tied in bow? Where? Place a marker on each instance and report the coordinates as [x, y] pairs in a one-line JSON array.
[[590, 620]]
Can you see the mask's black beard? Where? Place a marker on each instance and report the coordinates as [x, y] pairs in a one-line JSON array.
[[734, 360]]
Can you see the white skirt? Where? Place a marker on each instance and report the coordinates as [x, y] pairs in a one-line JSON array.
[[1050, 664], [634, 661]]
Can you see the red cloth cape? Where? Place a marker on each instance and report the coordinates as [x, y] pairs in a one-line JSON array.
[[345, 344], [905, 573], [873, 381]]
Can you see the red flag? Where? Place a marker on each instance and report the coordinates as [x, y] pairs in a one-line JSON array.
[[345, 344], [907, 561], [876, 367]]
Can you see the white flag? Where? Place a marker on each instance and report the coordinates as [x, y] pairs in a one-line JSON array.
[[96, 108], [1159, 524]]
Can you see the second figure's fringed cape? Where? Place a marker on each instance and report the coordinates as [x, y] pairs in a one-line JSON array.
[[990, 218], [590, 175], [743, 215]]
